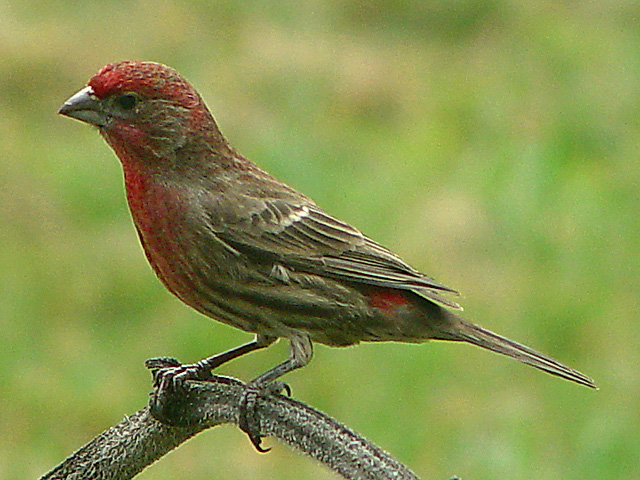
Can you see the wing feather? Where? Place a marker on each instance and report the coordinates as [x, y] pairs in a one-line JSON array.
[[300, 234]]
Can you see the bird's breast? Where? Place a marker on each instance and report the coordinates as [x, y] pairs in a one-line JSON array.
[[168, 233]]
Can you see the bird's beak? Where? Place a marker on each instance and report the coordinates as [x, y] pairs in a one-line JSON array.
[[86, 107]]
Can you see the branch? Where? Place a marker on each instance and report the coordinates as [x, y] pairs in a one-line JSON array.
[[124, 450]]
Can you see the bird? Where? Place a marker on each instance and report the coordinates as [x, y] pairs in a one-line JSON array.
[[243, 248]]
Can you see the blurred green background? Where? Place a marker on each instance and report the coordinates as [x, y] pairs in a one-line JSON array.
[[494, 145]]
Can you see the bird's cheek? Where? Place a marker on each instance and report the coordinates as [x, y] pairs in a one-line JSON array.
[[130, 143], [127, 134]]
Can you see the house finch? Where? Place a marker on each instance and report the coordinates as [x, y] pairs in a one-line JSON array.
[[243, 248]]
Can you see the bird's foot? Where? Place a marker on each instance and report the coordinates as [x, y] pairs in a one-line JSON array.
[[168, 399], [249, 418], [169, 372]]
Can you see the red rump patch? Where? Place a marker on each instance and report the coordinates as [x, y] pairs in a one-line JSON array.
[[387, 299]]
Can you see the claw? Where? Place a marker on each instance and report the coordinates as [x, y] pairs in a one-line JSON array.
[[158, 366], [283, 386], [168, 396], [248, 420], [161, 362]]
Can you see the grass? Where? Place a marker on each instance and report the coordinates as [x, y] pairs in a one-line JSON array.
[[493, 145]]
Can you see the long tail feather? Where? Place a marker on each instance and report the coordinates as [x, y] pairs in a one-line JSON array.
[[471, 333]]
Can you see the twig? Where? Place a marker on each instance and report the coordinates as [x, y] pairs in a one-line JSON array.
[[125, 449]]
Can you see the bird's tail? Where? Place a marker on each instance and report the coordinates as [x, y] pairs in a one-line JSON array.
[[462, 330]]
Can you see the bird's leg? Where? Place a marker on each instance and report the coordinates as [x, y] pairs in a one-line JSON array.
[[201, 370], [169, 373], [300, 353], [211, 363]]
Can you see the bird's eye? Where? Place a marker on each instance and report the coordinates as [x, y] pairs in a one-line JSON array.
[[127, 101]]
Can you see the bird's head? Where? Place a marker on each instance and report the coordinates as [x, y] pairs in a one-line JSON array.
[[143, 109]]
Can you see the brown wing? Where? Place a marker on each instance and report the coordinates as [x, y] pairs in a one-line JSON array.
[[297, 233]]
